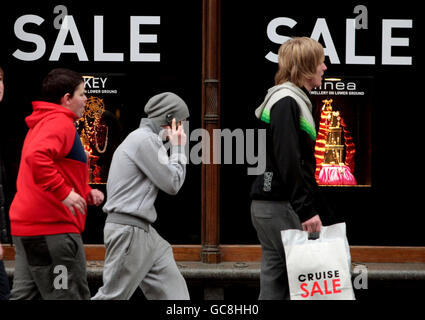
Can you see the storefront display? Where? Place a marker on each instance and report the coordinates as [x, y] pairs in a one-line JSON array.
[[334, 150], [222, 66], [99, 125], [343, 144]]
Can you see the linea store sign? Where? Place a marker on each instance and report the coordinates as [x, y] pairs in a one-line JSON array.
[[67, 28]]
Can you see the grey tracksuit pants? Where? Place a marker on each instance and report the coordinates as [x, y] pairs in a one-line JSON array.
[[269, 218], [139, 257]]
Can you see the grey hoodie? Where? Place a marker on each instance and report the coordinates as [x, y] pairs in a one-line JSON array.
[[140, 166]]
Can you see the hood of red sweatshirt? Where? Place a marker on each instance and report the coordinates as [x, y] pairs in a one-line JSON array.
[[42, 109]]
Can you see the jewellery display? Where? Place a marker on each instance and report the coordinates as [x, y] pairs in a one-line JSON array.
[[93, 135], [332, 140]]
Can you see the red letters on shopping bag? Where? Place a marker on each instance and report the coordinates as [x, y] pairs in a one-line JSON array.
[[325, 287]]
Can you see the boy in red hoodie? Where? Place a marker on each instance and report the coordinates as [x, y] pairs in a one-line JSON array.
[[48, 212]]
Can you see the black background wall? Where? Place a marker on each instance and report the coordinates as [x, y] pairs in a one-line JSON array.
[[389, 212], [178, 71]]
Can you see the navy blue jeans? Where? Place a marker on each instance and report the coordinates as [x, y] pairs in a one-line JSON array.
[[4, 283]]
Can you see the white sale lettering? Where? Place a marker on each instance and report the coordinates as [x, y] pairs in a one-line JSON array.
[[321, 29], [69, 28]]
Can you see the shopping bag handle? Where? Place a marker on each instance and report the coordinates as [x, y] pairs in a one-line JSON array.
[[314, 235]]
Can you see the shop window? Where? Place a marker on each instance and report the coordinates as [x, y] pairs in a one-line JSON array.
[[342, 112]]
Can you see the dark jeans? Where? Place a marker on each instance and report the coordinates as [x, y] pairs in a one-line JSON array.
[[4, 283], [269, 219], [50, 267]]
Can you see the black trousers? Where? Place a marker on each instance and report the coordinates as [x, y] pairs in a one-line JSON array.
[[269, 219], [4, 283], [51, 267]]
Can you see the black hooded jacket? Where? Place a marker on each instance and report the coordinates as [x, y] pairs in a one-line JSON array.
[[290, 163]]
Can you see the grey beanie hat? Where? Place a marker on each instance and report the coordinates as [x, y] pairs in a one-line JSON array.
[[159, 106]]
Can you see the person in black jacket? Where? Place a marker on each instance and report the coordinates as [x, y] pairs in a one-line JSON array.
[[286, 195], [4, 282]]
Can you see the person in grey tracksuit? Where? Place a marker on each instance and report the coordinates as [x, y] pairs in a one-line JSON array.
[[136, 255]]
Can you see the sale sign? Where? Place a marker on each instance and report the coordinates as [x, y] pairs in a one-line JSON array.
[[320, 285]]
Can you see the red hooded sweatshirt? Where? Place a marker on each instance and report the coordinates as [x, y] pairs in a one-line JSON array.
[[53, 162]]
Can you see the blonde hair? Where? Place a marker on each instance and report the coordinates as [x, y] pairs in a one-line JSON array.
[[298, 60]]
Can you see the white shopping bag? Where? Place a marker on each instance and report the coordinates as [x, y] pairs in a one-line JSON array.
[[318, 269]]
